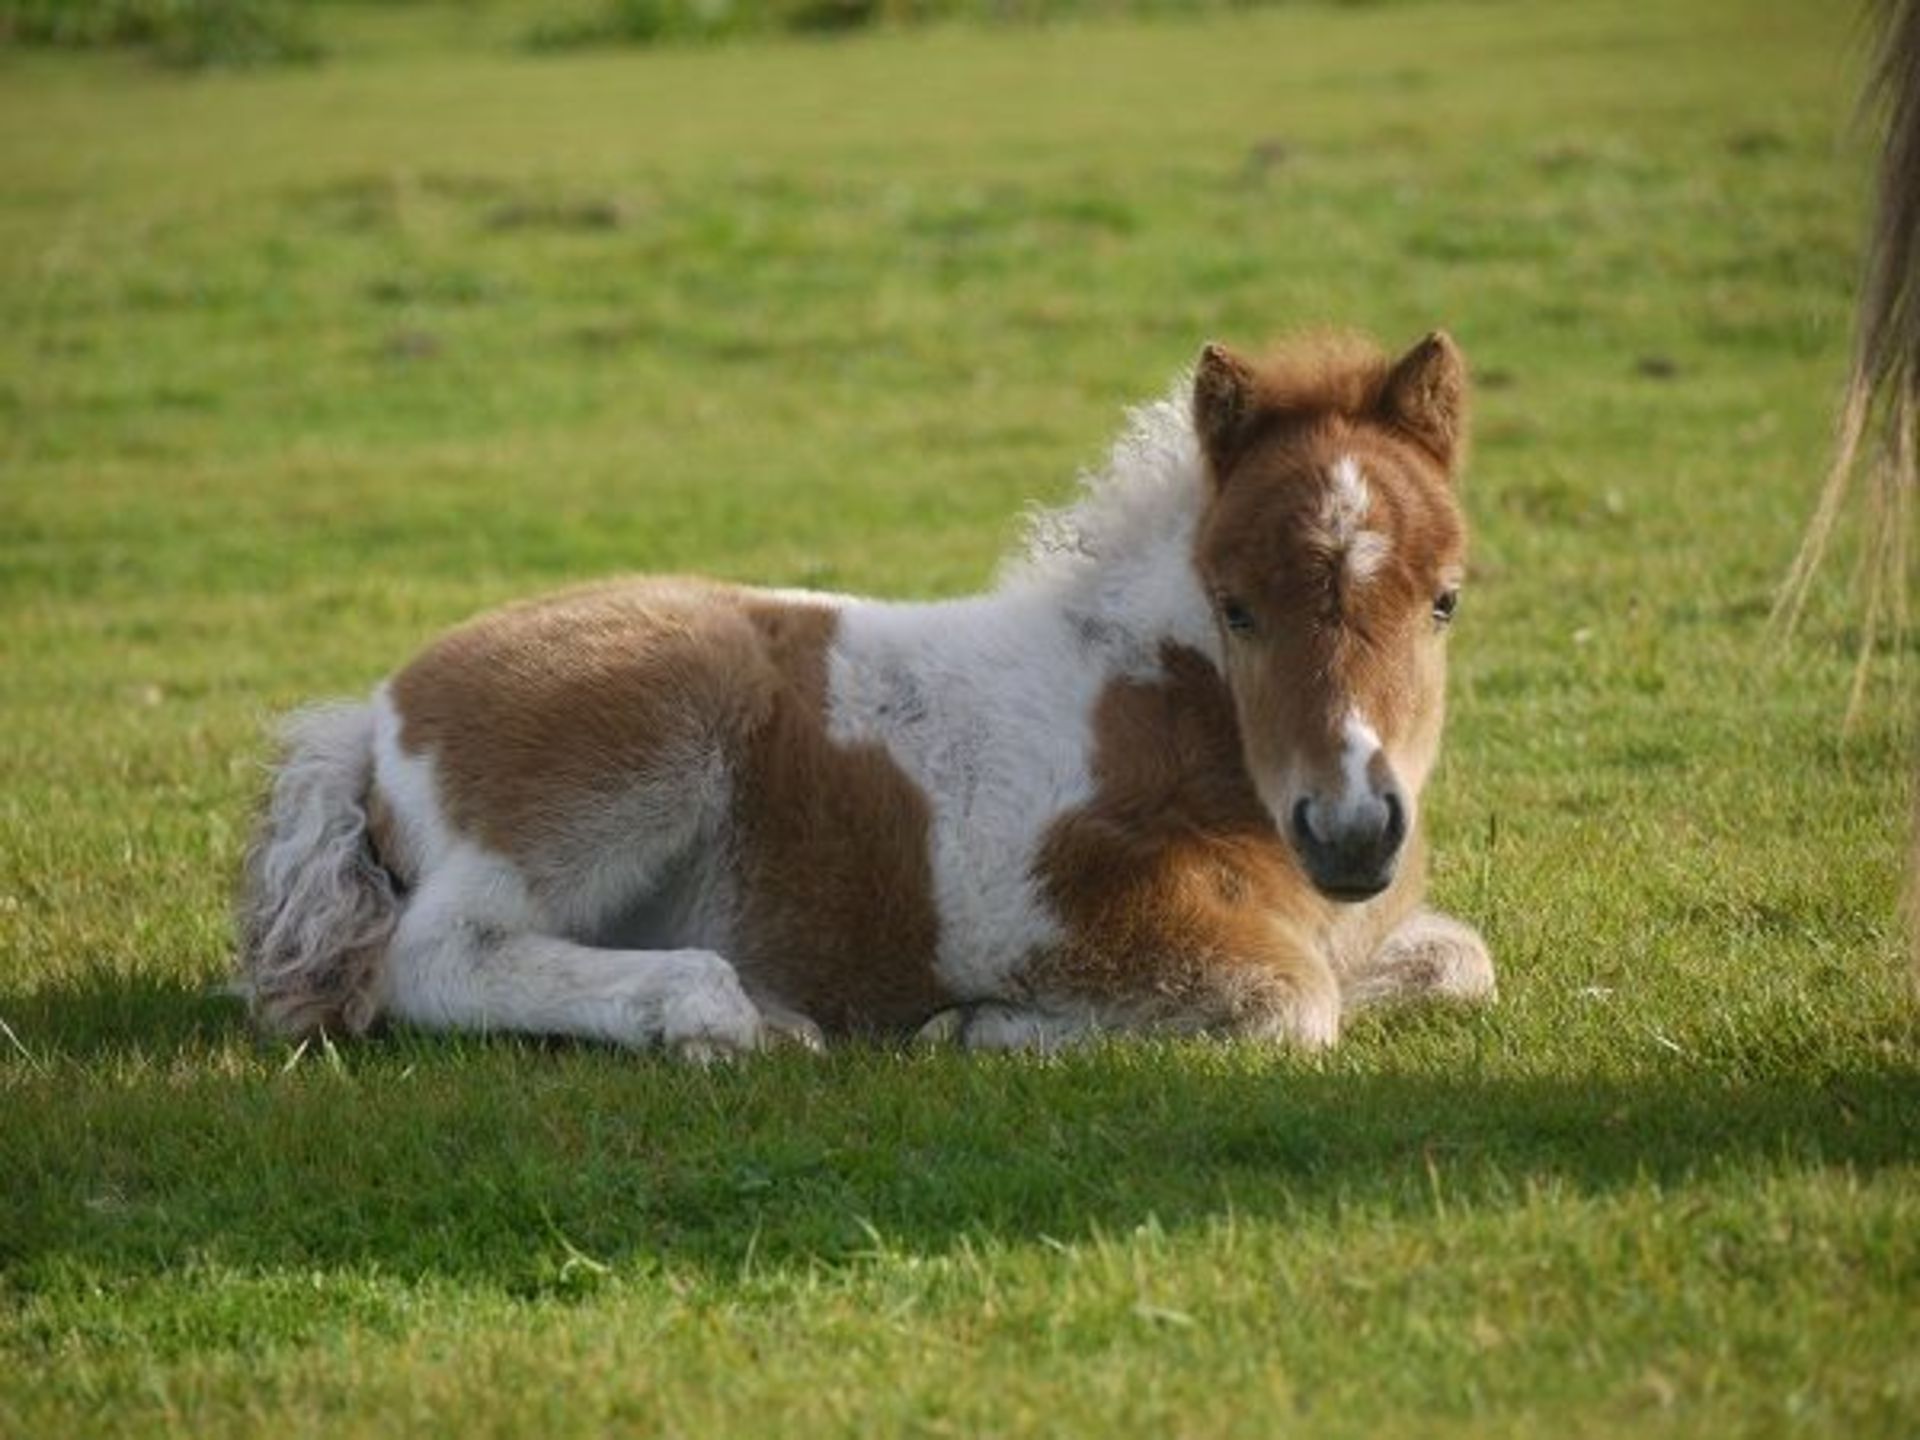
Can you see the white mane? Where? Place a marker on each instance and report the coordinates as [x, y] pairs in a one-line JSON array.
[[1121, 553]]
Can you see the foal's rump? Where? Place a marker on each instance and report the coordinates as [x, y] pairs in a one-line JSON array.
[[571, 736], [565, 732]]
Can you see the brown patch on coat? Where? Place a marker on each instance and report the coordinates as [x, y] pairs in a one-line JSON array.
[[1181, 902], [540, 711], [533, 708], [835, 854]]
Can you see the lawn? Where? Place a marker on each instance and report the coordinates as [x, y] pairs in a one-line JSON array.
[[298, 365]]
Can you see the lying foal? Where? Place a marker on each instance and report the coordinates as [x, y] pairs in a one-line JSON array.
[[1165, 775]]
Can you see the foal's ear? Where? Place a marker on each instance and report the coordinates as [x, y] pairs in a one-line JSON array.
[[1426, 396], [1223, 385]]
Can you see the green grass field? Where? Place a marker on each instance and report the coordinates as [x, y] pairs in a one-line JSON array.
[[299, 365]]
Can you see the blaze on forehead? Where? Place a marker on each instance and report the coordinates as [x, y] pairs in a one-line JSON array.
[[1386, 496], [1359, 515]]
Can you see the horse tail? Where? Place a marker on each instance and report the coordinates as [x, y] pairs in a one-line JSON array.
[[1883, 387], [316, 906]]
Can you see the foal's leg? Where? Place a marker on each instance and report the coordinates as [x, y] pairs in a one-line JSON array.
[[468, 954], [1288, 995], [1429, 957]]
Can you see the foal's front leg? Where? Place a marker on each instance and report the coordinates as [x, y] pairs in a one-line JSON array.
[[1274, 987], [1430, 956]]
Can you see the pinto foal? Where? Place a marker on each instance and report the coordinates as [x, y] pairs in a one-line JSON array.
[[1165, 775]]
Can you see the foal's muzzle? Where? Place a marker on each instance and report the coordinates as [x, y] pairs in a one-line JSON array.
[[1350, 854]]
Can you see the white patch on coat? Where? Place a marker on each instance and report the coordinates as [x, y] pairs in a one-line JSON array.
[[654, 842], [1359, 743], [406, 782], [1120, 556], [987, 703]]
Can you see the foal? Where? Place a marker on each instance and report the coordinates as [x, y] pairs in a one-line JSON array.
[[1165, 775]]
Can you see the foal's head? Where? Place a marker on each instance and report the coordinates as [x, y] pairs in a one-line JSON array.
[[1332, 546]]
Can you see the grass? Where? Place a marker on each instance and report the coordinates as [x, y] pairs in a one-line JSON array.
[[297, 367]]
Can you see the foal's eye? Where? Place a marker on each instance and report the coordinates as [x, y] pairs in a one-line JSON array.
[[1444, 604], [1235, 616]]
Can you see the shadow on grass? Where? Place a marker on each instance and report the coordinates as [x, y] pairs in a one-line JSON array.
[[110, 1016], [496, 1162]]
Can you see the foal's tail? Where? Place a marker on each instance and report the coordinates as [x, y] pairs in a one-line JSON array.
[[316, 907]]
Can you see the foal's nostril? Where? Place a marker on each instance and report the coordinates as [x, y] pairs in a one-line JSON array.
[[1302, 827], [1396, 829]]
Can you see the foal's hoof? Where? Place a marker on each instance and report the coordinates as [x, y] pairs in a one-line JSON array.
[[702, 1053], [1304, 1016], [709, 1017], [1312, 1024], [782, 1029], [949, 1027], [1432, 957]]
